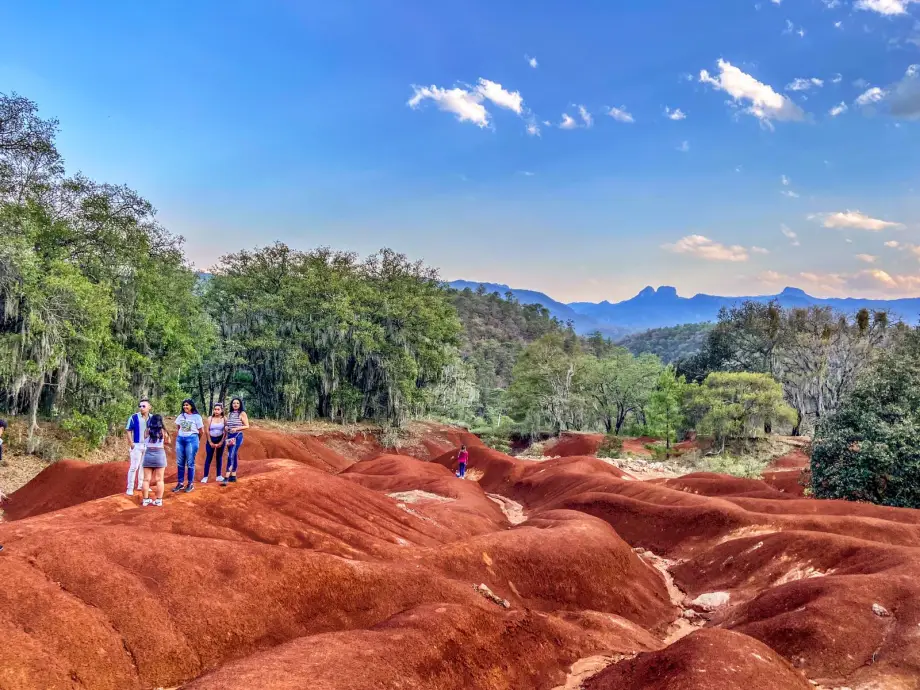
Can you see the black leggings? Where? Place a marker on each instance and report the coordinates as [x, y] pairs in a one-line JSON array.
[[210, 452]]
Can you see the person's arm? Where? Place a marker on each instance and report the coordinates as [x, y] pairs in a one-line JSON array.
[[200, 429], [129, 432], [208, 435], [244, 420]]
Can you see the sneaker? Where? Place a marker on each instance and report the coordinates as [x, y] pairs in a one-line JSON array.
[[129, 492], [189, 488], [178, 487], [158, 502], [204, 480], [146, 502], [233, 478], [226, 482], [220, 478]]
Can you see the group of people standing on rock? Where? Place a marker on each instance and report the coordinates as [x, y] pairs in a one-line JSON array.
[[148, 437]]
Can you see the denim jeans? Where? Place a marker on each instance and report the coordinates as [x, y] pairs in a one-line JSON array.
[[186, 450], [210, 453], [233, 451]]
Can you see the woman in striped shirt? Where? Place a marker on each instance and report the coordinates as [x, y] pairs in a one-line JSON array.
[[237, 422]]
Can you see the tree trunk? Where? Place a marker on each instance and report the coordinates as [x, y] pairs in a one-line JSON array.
[[33, 414], [797, 429]]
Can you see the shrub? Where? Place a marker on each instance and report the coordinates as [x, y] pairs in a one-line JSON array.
[[611, 447]]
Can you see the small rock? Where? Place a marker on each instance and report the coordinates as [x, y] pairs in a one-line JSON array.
[[711, 601], [492, 596], [880, 611], [690, 614]]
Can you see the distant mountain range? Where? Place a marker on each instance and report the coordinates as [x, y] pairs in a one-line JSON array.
[[653, 308]]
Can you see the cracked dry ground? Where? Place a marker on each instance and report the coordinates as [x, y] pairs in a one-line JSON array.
[[336, 566]]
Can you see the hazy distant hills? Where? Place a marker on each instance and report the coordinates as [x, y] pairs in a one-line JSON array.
[[663, 307]]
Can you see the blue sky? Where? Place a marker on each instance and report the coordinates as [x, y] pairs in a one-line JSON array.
[[338, 124]]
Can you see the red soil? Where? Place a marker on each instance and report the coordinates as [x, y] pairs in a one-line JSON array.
[[341, 566]]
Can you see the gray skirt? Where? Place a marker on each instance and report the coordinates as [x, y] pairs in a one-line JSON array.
[[155, 458]]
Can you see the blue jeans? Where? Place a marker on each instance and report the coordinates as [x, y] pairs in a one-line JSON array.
[[233, 451], [461, 470], [186, 450]]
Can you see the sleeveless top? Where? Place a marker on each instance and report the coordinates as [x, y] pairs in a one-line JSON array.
[[234, 422], [217, 427], [155, 445]]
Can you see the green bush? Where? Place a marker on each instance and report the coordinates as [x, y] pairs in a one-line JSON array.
[[611, 447], [869, 450]]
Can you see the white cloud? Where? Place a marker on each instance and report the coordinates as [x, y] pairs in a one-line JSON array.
[[853, 219], [789, 193], [705, 248], [800, 84], [547, 123], [621, 114], [759, 250], [676, 114], [527, 173], [790, 234], [785, 180], [585, 116], [765, 103], [467, 106], [533, 129], [867, 258], [684, 147], [860, 83], [831, 4], [892, 244], [838, 109], [873, 95], [838, 25], [777, 2], [912, 71], [532, 61], [568, 122], [503, 99], [771, 277], [790, 29], [886, 7], [837, 78]]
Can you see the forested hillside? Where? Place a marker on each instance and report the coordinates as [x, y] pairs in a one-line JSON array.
[[669, 344]]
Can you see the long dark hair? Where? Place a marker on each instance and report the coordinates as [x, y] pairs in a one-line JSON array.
[[242, 406], [190, 402], [155, 428]]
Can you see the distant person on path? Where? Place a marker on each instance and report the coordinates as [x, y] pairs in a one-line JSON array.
[[154, 459], [217, 439], [462, 458], [135, 432], [2, 429], [188, 441], [237, 423]]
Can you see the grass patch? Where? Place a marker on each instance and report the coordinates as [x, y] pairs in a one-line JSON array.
[[748, 467]]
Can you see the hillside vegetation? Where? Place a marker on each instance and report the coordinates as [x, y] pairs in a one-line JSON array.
[[668, 344]]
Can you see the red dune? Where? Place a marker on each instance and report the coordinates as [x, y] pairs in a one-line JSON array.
[[335, 564]]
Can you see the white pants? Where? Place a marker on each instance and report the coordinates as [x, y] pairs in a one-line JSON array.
[[136, 469]]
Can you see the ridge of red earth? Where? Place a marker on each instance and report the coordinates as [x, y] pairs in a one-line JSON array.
[[336, 564]]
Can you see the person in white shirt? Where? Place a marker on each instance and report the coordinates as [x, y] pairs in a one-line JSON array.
[[188, 440], [135, 431]]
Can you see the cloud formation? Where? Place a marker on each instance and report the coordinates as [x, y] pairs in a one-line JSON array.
[[789, 234], [621, 114], [886, 7], [705, 248], [532, 61], [867, 258], [467, 106], [855, 220], [838, 109], [804, 84], [904, 98], [492, 91], [676, 114], [764, 103], [870, 96], [585, 116], [568, 122]]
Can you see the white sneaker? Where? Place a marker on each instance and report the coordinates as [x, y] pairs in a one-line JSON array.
[[129, 492], [204, 480], [219, 478], [146, 502], [158, 502]]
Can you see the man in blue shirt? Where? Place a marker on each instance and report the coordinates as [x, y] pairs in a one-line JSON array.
[[134, 432]]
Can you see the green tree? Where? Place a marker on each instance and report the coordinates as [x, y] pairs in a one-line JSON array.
[[665, 415], [544, 390], [737, 405], [618, 386], [867, 450]]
